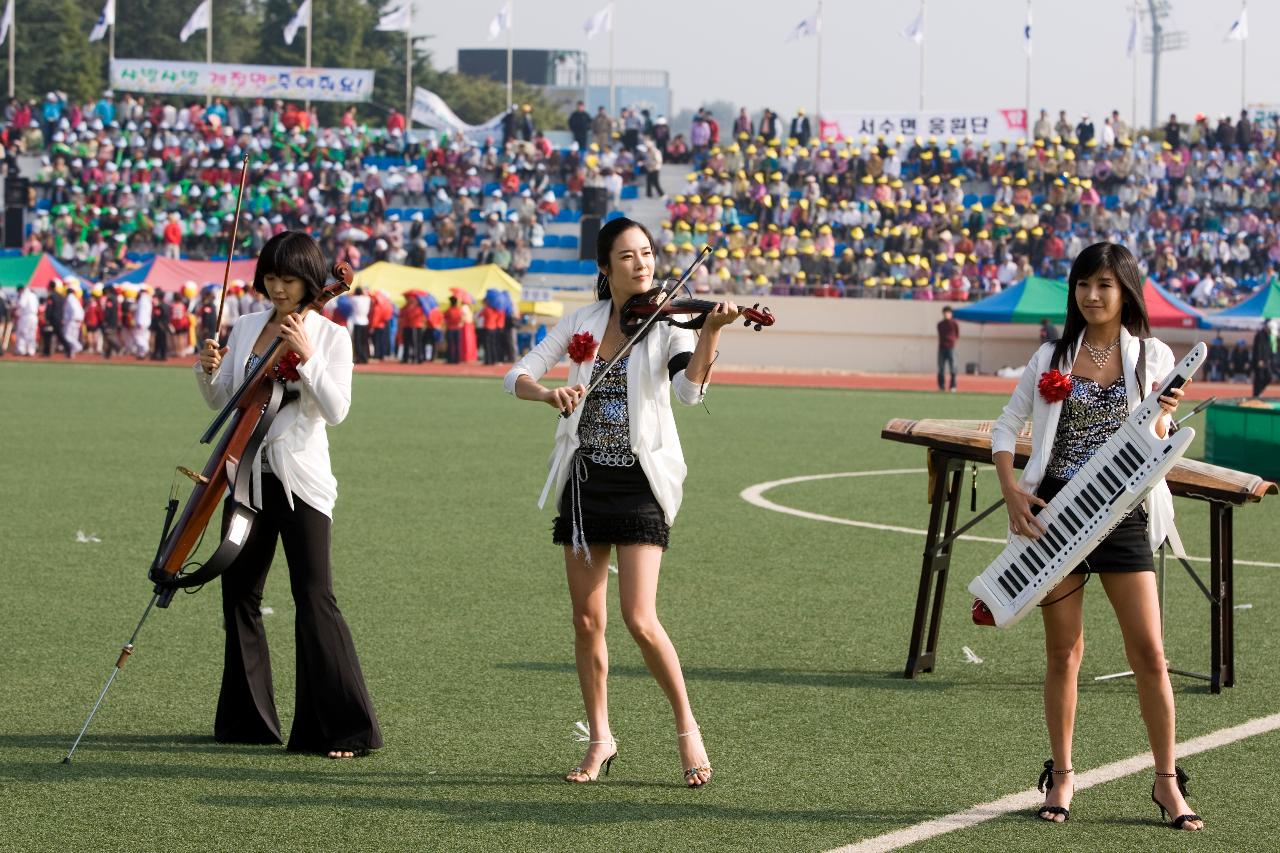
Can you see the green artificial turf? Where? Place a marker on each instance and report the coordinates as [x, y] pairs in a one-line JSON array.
[[792, 632]]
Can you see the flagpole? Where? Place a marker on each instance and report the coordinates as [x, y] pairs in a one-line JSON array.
[[611, 104], [511, 16], [1244, 41], [408, 69], [13, 25], [1133, 119], [922, 45], [111, 47], [306, 104], [1026, 38], [818, 111], [208, 48]]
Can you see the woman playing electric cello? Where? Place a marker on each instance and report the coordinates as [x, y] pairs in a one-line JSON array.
[[295, 489]]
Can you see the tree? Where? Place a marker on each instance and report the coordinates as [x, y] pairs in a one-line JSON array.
[[50, 52]]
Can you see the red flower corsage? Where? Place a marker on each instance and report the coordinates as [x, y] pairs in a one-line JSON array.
[[582, 347], [287, 367], [1054, 386]]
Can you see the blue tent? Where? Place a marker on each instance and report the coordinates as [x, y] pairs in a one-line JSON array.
[[1249, 314], [1025, 302]]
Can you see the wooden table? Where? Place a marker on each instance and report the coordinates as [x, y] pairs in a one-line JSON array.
[[951, 445]]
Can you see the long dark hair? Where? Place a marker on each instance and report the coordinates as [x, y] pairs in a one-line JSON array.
[[604, 245], [292, 254], [1133, 312]]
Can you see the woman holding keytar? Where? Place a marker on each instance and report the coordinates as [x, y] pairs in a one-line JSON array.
[[1078, 390]]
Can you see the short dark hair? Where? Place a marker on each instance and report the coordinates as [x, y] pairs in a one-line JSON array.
[[604, 245], [296, 255], [946, 309]]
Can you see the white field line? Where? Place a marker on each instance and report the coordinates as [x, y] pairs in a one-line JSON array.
[[1028, 800], [755, 495]]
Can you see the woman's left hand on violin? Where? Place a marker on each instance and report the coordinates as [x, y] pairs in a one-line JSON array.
[[294, 334], [725, 313]]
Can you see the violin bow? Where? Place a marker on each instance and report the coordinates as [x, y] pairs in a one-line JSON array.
[[667, 291], [231, 249]]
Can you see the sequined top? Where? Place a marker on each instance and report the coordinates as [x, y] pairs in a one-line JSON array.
[[604, 424], [1090, 416]]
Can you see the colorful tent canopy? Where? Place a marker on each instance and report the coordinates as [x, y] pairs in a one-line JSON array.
[[1168, 311], [1025, 302], [395, 279], [1262, 305], [171, 274], [34, 271], [1034, 298]]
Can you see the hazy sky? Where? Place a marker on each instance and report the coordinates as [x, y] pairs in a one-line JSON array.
[[736, 50]]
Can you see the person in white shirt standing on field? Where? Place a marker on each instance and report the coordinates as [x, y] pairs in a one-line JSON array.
[[617, 476], [294, 487], [72, 317], [361, 304], [28, 321]]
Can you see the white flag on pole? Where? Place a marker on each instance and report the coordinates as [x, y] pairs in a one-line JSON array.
[[105, 20], [1240, 28], [7, 21], [1132, 44], [1026, 33], [500, 22], [915, 30], [200, 19], [301, 19], [600, 22], [397, 19], [810, 26]]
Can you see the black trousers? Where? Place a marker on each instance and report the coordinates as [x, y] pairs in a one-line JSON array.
[[360, 344], [1261, 379], [651, 185], [332, 707]]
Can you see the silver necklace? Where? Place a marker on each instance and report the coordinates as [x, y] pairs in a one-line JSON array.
[[1100, 356]]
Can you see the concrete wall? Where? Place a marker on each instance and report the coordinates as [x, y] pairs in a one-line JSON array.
[[878, 336]]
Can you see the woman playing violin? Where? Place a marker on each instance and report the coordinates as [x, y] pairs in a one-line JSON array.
[[294, 487], [617, 474]]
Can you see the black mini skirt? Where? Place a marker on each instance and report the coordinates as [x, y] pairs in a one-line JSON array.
[[1125, 549], [617, 506]]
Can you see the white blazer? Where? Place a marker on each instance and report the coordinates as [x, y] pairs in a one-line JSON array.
[[1026, 401], [297, 445], [653, 427]]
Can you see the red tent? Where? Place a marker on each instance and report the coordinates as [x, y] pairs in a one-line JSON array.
[[1166, 311]]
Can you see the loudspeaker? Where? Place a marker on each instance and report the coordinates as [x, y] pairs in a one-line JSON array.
[[588, 232], [16, 191], [595, 201], [15, 227]]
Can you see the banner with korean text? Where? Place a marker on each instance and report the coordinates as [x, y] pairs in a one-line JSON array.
[[225, 80], [981, 125]]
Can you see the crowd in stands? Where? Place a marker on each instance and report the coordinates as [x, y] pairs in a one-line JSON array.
[[925, 216], [130, 176], [941, 217]]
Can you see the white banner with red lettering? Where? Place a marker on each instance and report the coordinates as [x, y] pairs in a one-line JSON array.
[[989, 125], [156, 76]]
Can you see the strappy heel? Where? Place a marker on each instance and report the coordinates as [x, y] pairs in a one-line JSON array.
[[583, 735], [1180, 820], [1045, 785], [691, 773]]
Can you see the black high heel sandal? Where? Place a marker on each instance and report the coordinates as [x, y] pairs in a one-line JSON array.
[[1177, 822], [1045, 785]]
